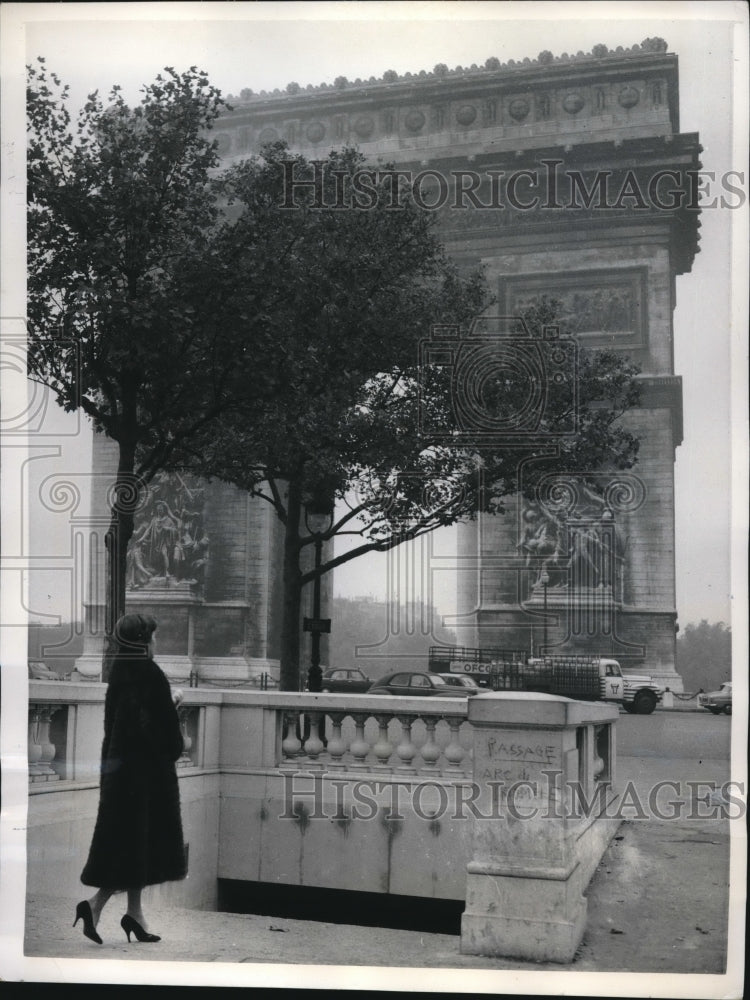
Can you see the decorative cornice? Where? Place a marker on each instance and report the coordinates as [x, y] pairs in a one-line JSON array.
[[605, 94], [492, 66]]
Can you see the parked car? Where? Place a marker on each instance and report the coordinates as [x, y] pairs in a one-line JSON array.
[[347, 680], [718, 701], [462, 681], [417, 684]]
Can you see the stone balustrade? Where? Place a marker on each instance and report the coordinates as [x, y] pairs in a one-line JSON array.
[[66, 722], [336, 732], [363, 733], [66, 725], [450, 798]]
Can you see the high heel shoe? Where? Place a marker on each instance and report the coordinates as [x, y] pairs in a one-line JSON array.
[[129, 925], [83, 912]]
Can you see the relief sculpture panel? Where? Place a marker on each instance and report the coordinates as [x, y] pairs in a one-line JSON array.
[[169, 547], [604, 308]]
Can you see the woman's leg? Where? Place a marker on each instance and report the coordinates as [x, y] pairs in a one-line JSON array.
[[135, 908], [98, 902]]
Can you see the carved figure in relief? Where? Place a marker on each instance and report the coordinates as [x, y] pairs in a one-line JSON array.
[[170, 545], [542, 544], [160, 539], [200, 556], [586, 562], [585, 552], [137, 573]]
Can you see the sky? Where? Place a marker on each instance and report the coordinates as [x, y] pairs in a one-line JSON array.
[[267, 45]]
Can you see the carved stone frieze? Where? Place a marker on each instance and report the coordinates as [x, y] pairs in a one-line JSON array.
[[542, 104], [605, 307]]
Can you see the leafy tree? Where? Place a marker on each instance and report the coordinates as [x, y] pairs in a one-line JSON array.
[[704, 655], [121, 210], [353, 294], [359, 436]]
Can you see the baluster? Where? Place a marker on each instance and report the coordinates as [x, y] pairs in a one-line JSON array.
[[430, 751], [49, 750], [290, 745], [406, 751], [313, 744], [383, 748], [359, 747], [35, 750], [185, 759], [337, 744], [454, 752]]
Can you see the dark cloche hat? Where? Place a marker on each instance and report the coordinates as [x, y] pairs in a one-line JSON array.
[[135, 630]]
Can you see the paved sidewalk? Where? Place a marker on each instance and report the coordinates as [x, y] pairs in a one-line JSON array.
[[657, 903]]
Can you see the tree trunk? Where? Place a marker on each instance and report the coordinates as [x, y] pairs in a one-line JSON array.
[[118, 536], [289, 679]]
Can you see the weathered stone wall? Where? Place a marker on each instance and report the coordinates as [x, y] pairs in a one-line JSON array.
[[616, 258]]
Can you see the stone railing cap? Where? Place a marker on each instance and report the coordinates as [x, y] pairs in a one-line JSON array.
[[372, 704], [530, 708]]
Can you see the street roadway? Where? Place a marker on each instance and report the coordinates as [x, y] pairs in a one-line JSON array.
[[682, 735], [682, 747], [659, 901]]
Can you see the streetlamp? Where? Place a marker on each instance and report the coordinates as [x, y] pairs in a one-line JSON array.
[[317, 625], [544, 577]]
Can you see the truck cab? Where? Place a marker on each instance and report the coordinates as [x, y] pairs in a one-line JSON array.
[[613, 683]]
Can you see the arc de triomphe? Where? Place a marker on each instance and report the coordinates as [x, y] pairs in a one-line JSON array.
[[566, 177]]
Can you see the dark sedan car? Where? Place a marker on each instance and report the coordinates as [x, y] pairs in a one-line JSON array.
[[467, 684], [345, 681], [416, 684], [718, 701]]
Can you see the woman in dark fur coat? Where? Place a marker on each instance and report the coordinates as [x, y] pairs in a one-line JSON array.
[[138, 834]]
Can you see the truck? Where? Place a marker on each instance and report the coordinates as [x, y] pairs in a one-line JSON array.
[[584, 677]]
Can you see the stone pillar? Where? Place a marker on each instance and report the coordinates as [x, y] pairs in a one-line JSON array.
[[544, 769], [225, 631], [88, 666]]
